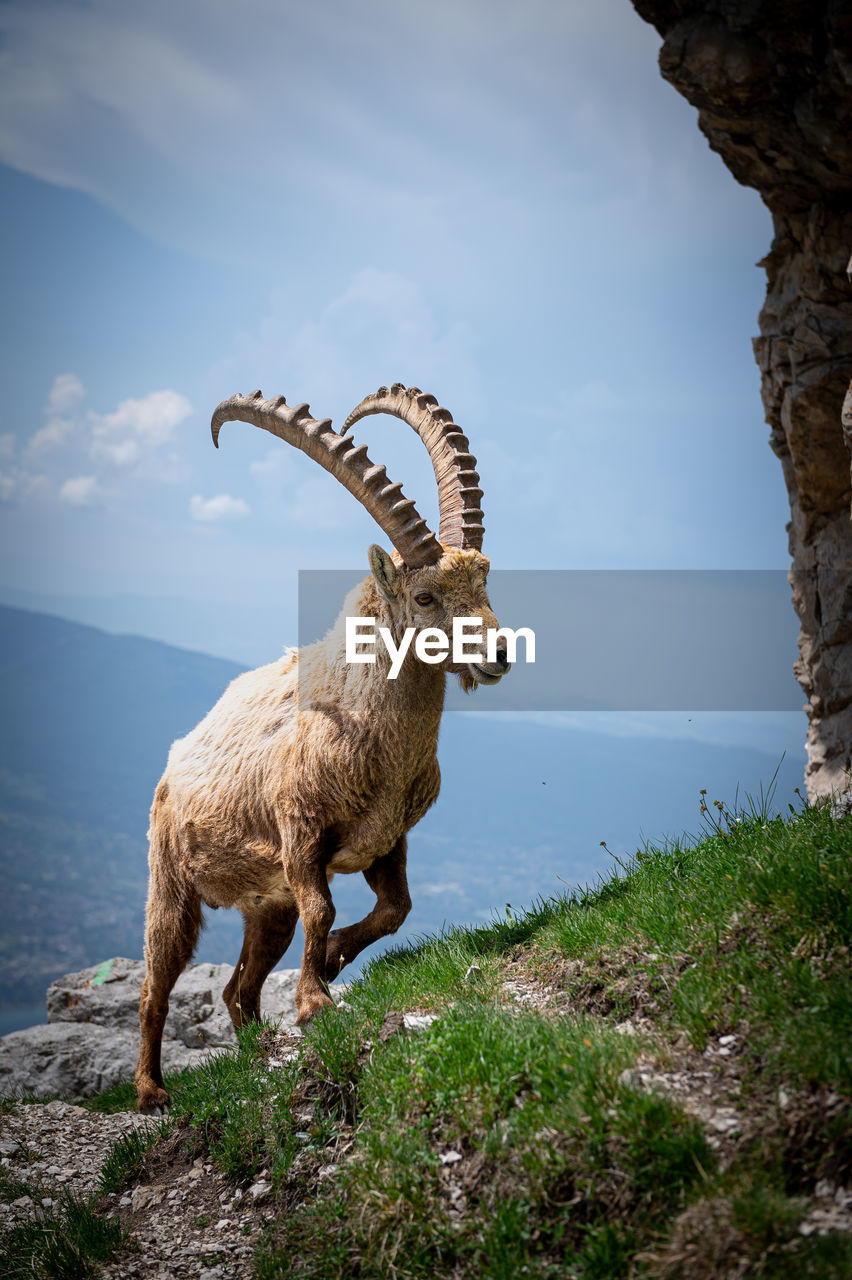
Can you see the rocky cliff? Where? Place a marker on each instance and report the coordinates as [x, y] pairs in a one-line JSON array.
[[772, 81]]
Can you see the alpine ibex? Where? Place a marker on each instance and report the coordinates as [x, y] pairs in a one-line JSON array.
[[312, 765]]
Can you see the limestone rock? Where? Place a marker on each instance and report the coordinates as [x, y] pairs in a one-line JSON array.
[[773, 88], [108, 995], [76, 1061], [90, 1040]]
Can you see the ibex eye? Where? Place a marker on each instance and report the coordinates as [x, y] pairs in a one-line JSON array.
[[424, 598]]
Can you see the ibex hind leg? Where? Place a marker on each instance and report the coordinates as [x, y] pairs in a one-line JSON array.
[[268, 933], [387, 878], [170, 936]]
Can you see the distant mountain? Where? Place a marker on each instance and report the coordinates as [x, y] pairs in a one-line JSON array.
[[88, 719]]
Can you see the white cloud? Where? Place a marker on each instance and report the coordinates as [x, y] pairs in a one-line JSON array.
[[63, 399], [80, 87], [123, 453], [132, 438], [16, 484], [153, 419], [438, 890], [76, 98], [760, 730], [67, 392], [222, 507], [268, 466], [378, 329], [320, 503], [80, 491], [53, 433]]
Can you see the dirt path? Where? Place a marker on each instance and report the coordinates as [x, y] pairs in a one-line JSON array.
[[188, 1220]]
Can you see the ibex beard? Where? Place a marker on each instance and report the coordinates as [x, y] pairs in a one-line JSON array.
[[312, 765]]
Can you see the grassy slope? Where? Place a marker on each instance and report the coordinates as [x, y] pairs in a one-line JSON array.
[[542, 1137]]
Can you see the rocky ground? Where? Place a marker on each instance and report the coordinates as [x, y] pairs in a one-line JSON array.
[[54, 1148], [186, 1219]]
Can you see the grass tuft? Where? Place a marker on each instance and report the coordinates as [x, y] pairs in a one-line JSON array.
[[240, 1108], [66, 1245], [125, 1156]]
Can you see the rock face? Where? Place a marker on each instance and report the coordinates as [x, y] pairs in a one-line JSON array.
[[772, 81], [91, 1038]]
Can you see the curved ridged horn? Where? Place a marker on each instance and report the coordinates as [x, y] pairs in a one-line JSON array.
[[459, 494], [394, 514]]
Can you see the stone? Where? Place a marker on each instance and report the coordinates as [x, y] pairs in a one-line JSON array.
[[771, 85], [197, 1015], [59, 1058], [144, 1197], [418, 1021], [91, 1038]]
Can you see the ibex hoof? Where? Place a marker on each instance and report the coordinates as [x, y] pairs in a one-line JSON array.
[[311, 1006], [153, 1102]]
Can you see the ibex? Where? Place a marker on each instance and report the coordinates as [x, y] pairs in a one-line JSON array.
[[312, 765]]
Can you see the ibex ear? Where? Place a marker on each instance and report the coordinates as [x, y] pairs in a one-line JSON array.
[[384, 571]]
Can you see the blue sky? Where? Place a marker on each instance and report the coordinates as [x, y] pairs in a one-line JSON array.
[[503, 204]]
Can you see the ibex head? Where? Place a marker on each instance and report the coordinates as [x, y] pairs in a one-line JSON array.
[[431, 580], [432, 597]]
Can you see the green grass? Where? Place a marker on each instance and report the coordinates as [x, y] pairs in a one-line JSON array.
[[757, 914], [63, 1245], [10, 1100], [241, 1110], [125, 1156], [11, 1187], [763, 911], [118, 1097], [562, 1153], [505, 1141]]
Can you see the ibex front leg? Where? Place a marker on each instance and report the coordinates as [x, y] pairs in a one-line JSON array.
[[387, 878], [305, 864]]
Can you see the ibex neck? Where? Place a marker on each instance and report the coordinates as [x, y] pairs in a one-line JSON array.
[[410, 704]]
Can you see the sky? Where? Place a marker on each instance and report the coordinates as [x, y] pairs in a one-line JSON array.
[[504, 205]]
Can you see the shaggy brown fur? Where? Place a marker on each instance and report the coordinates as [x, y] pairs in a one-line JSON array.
[[305, 767]]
